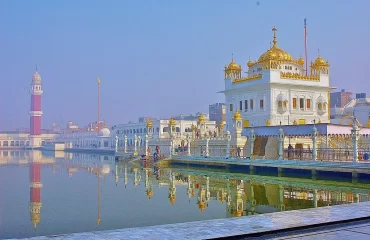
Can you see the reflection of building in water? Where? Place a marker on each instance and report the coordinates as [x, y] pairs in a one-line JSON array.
[[35, 187], [172, 189], [190, 188], [204, 195], [148, 183]]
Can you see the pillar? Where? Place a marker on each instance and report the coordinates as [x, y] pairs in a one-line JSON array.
[[281, 197], [314, 143], [135, 143], [207, 145], [281, 141], [125, 143], [228, 137], [355, 136], [315, 198], [252, 138], [116, 143], [188, 143], [146, 144]]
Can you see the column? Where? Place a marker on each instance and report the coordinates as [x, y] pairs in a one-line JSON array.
[[125, 143], [139, 143], [135, 143], [207, 145], [228, 137], [314, 144], [355, 135], [116, 143], [252, 138], [315, 198], [146, 144], [189, 154], [281, 141], [281, 197]]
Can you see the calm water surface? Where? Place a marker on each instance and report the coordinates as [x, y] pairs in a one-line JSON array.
[[44, 194]]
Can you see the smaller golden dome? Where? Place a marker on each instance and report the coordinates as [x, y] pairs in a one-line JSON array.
[[201, 118], [237, 115], [320, 62], [149, 124], [233, 66], [250, 63], [300, 61], [172, 121], [221, 125]]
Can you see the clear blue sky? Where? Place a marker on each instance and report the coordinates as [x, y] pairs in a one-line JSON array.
[[160, 57]]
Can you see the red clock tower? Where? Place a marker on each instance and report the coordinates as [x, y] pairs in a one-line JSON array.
[[35, 111]]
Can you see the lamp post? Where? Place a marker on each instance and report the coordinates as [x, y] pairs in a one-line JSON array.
[[281, 140], [135, 143], [355, 132], [314, 141], [116, 143], [252, 138]]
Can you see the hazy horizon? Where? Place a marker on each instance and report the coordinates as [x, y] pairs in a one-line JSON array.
[[160, 58]]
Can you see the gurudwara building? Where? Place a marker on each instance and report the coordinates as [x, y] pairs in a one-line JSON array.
[[277, 89]]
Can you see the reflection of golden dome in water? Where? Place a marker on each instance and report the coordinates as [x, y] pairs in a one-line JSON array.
[[238, 213], [149, 194], [172, 200], [202, 206], [105, 169]]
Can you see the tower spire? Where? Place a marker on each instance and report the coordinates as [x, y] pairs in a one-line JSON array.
[[274, 29], [305, 44]]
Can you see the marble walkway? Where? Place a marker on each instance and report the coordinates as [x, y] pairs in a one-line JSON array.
[[241, 226]]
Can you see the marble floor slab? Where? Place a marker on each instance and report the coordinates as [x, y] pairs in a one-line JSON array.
[[238, 226]]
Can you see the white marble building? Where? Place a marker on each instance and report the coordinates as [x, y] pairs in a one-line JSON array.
[[277, 89], [160, 130]]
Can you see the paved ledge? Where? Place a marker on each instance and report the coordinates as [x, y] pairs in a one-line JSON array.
[[241, 226]]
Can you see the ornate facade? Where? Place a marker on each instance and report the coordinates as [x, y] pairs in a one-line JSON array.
[[277, 89]]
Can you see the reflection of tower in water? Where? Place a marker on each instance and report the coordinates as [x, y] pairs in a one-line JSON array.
[[98, 219], [35, 188], [204, 196]]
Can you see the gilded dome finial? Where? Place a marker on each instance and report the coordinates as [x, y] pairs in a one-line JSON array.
[[318, 52], [274, 29], [250, 63]]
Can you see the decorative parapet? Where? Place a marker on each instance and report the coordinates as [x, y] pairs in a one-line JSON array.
[[298, 76], [247, 79]]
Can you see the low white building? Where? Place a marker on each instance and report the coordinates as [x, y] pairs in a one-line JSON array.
[[160, 129], [358, 107]]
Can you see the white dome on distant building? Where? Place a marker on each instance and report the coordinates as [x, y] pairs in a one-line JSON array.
[[36, 78], [104, 132]]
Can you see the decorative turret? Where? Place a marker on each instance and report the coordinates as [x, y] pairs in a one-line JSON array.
[[233, 70], [172, 126], [300, 61], [250, 63], [201, 124], [237, 122], [319, 66], [149, 128]]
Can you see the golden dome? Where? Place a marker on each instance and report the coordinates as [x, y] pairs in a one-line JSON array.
[[201, 118], [233, 66], [275, 53], [319, 62], [172, 121], [193, 127], [250, 63], [237, 115], [149, 124], [300, 61], [221, 125], [238, 214]]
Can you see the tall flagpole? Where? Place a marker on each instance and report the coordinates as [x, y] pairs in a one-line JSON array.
[[305, 44], [98, 104]]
